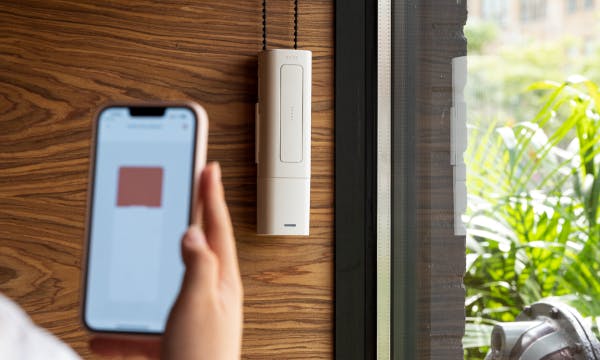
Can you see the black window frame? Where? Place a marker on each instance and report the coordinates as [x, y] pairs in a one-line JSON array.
[[356, 185], [355, 179]]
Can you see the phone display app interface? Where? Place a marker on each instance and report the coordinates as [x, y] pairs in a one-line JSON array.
[[140, 208]]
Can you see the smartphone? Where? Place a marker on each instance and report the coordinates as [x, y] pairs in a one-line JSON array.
[[145, 164]]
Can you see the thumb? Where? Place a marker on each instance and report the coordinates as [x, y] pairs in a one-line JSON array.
[[201, 268]]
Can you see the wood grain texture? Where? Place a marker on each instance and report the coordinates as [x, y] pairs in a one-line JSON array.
[[441, 254], [61, 60]]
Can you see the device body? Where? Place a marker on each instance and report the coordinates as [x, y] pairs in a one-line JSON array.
[[146, 160], [548, 330], [283, 142]]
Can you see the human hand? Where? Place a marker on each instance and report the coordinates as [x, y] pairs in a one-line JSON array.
[[206, 319]]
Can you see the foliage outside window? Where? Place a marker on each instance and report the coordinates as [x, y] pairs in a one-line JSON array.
[[533, 180]]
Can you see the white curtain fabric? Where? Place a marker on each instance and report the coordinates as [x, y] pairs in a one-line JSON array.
[[21, 339]]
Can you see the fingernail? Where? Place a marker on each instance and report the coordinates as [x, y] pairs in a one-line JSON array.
[[194, 235], [217, 172]]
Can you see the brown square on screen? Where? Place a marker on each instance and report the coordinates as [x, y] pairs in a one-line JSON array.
[[140, 186]]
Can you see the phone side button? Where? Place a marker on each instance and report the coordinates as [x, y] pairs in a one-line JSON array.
[[256, 132]]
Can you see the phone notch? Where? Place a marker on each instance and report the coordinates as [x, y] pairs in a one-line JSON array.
[[147, 111]]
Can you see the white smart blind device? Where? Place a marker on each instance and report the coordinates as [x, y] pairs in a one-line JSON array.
[[283, 131]]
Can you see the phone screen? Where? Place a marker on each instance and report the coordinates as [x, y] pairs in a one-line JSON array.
[[140, 207]]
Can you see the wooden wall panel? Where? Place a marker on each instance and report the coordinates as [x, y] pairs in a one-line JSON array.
[[61, 60]]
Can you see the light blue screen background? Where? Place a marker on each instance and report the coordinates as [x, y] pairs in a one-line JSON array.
[[134, 263]]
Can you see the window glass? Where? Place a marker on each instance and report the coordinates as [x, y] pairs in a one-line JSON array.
[[494, 11], [533, 161], [529, 10]]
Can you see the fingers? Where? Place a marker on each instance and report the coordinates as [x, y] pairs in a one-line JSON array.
[[201, 268], [217, 223], [113, 346]]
